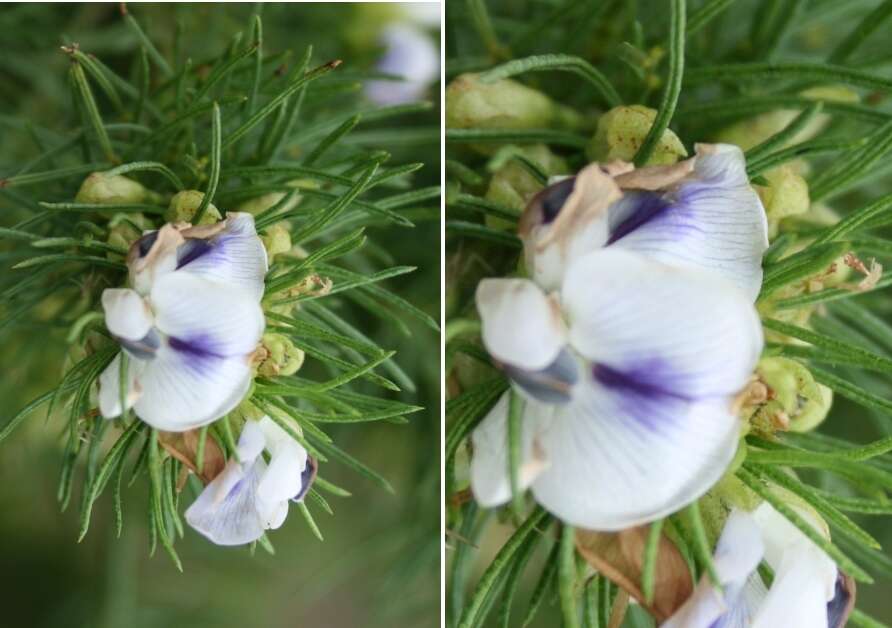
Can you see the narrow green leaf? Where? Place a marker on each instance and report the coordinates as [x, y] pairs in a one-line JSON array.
[[151, 166], [702, 546], [499, 565], [214, 177], [649, 568], [567, 577], [556, 63], [672, 88], [91, 111]]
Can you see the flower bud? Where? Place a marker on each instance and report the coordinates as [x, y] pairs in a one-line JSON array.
[[785, 195], [100, 188], [261, 203], [282, 357], [513, 186], [276, 240], [125, 229], [796, 402], [622, 130], [183, 206], [505, 104], [753, 131]]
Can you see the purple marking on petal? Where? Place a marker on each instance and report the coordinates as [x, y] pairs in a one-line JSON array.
[[145, 243], [306, 478], [236, 488], [643, 392], [191, 250], [554, 198], [649, 207], [651, 379], [199, 347], [839, 608]]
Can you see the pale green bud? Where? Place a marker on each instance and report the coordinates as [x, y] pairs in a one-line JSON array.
[[125, 229], [100, 188], [276, 240], [513, 186], [622, 130], [794, 400], [785, 195], [753, 131], [282, 357], [261, 203], [505, 104], [184, 204]]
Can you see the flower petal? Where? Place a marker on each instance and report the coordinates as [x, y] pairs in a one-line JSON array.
[[251, 442], [288, 460], [185, 388], [235, 256], [127, 315], [618, 460], [110, 386], [226, 511], [411, 55], [738, 553], [490, 481], [703, 339], [797, 595], [712, 220], [206, 317], [521, 326]]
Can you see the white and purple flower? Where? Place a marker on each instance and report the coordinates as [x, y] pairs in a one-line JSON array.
[[630, 343], [409, 54], [807, 589], [251, 496], [189, 325]]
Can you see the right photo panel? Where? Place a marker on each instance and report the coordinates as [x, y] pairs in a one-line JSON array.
[[668, 329]]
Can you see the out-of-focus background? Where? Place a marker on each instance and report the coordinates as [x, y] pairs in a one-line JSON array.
[[379, 563]]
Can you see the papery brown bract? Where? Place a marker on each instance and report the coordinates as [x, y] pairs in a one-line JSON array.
[[619, 556]]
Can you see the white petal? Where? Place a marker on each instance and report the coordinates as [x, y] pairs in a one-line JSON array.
[[683, 332], [186, 389], [797, 596], [127, 315], [737, 555], [618, 460], [783, 538], [288, 459], [411, 54], [490, 480], [110, 386], [251, 442], [712, 220], [226, 511], [235, 257], [222, 319], [521, 326]]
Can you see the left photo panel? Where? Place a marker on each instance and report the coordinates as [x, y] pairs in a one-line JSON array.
[[219, 308]]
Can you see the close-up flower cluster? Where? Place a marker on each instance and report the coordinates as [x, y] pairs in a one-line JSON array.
[[664, 301]]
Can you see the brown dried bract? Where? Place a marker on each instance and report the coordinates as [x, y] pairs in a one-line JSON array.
[[184, 447], [169, 238], [656, 177], [619, 556]]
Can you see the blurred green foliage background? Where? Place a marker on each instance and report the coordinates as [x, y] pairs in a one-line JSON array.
[[379, 563]]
